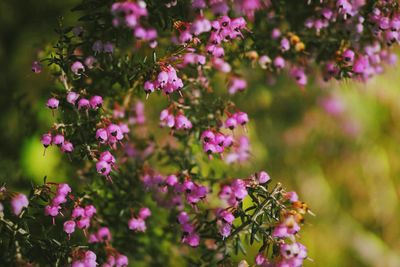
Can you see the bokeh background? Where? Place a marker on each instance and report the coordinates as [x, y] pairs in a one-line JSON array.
[[337, 144]]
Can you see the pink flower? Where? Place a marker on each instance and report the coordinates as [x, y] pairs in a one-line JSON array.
[[83, 103], [260, 259], [144, 213], [78, 212], [137, 224], [96, 101], [77, 68], [239, 189], [192, 239], [69, 227], [59, 199], [58, 139], [72, 97], [121, 261], [292, 196], [46, 140], [103, 168], [236, 84], [83, 223], [104, 234], [224, 229], [67, 147], [18, 202], [183, 218], [102, 135], [263, 177], [90, 210], [51, 210], [63, 189], [226, 216], [52, 103], [279, 62]]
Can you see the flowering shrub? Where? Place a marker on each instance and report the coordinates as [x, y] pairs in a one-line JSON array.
[[122, 53]]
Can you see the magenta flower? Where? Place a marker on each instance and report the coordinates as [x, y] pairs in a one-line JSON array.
[[237, 85], [137, 224], [78, 212], [58, 200], [83, 103], [83, 223], [107, 157], [52, 103], [102, 135], [52, 211], [90, 210], [96, 102], [279, 62], [69, 227], [58, 139], [103, 168], [193, 239], [144, 213], [121, 261], [67, 147], [46, 140], [183, 218], [114, 133], [104, 234]]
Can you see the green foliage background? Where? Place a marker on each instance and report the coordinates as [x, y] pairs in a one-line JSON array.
[[351, 181]]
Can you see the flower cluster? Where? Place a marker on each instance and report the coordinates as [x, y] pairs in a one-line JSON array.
[[112, 134], [139, 224], [190, 236], [292, 253], [240, 151], [137, 117], [192, 59], [171, 191], [103, 234], [129, 14], [347, 39], [179, 122], [105, 163], [60, 197], [84, 259], [58, 140], [80, 217], [167, 80], [95, 102], [215, 142], [225, 220], [118, 260], [236, 119], [236, 84], [234, 192]]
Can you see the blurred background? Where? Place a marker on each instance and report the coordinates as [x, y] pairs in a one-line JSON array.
[[337, 144]]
